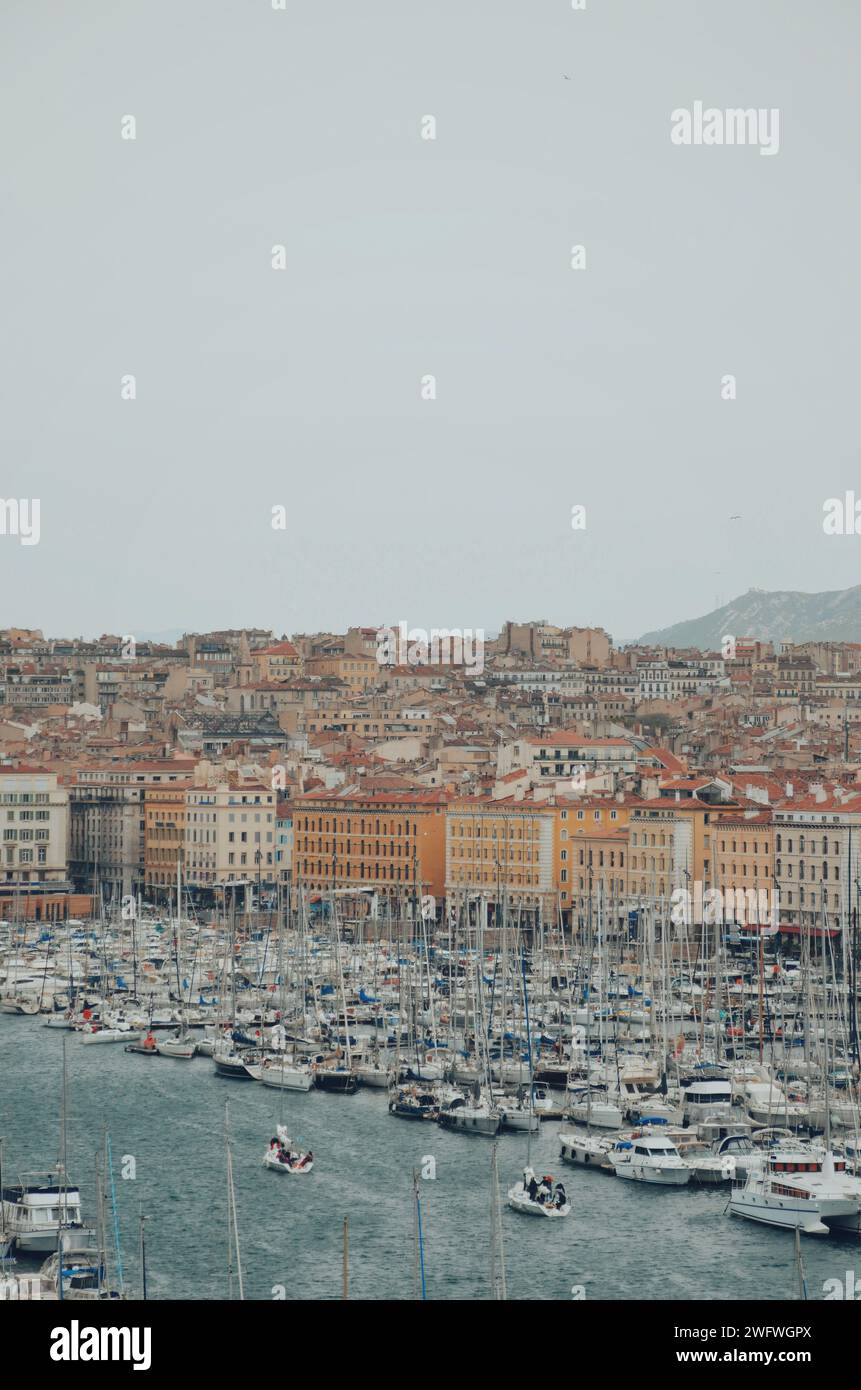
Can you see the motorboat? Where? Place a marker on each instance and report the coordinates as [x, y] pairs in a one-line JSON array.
[[646, 1155], [146, 1046], [38, 1207], [802, 1189]]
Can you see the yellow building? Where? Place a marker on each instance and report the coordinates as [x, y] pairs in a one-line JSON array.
[[356, 671], [164, 836], [744, 860], [496, 847], [280, 662]]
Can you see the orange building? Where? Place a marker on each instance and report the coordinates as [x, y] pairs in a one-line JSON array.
[[592, 854], [372, 840]]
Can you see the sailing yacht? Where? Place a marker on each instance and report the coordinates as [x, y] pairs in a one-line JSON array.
[[182, 1046], [592, 1150], [592, 1107], [282, 1157], [539, 1197], [410, 1103], [283, 1075], [78, 1272], [479, 1117]]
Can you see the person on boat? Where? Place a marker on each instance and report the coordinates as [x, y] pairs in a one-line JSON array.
[[532, 1188], [273, 1143], [309, 1158], [560, 1195]]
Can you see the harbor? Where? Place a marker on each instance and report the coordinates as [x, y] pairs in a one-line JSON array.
[[226, 1093]]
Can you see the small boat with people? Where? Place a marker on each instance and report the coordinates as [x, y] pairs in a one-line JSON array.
[[535, 1196], [282, 1156]]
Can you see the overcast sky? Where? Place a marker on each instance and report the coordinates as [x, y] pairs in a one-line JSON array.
[[406, 257]]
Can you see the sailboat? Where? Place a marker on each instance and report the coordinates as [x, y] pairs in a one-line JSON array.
[[282, 1157], [534, 1196], [182, 1045], [336, 1073]]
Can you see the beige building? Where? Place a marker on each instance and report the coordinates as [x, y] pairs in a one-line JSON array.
[[35, 818], [229, 834]]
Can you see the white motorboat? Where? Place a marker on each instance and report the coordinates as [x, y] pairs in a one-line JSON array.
[[801, 1189], [538, 1197], [35, 1210], [648, 1156]]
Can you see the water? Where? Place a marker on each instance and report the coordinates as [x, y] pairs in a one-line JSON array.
[[622, 1241]]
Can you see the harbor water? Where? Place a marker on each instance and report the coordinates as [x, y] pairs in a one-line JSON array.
[[166, 1121]]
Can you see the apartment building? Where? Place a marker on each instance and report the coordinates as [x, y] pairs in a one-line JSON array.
[[382, 841], [229, 835], [501, 849], [107, 823], [817, 843], [35, 818]]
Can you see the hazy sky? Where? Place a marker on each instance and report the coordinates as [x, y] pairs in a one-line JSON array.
[[405, 257]]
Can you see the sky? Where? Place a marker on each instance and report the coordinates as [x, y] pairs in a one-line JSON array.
[[407, 258]]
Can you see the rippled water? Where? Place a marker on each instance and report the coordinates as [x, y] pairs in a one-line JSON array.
[[622, 1241]]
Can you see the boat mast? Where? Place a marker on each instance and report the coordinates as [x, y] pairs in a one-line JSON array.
[[232, 1224], [497, 1251]]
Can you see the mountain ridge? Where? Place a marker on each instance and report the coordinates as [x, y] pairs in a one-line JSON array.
[[780, 615]]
